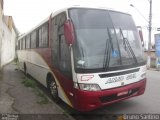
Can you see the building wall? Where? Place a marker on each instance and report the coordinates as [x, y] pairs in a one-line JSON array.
[[8, 45], [7, 37], [1, 30], [152, 54]]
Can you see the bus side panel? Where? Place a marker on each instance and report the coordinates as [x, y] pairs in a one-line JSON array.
[[67, 86], [22, 57], [35, 65], [38, 63]]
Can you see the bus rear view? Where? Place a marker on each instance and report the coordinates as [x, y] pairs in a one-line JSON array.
[[108, 63]]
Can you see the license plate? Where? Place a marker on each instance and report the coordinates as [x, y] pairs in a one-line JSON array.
[[122, 93]]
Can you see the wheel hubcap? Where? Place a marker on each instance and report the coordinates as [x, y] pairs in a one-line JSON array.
[[53, 89]]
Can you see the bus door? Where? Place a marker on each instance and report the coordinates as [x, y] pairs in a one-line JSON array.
[[61, 57]]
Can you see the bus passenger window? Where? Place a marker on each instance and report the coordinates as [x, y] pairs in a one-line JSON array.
[[65, 61], [43, 36], [24, 43], [64, 52], [60, 49], [33, 39], [21, 44], [28, 41]]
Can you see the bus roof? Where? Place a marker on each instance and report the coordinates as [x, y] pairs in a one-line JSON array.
[[65, 9]]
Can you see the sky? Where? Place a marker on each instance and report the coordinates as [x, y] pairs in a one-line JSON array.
[[29, 13]]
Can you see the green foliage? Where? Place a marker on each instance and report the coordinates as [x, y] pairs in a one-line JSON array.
[[31, 83], [16, 60], [43, 97]]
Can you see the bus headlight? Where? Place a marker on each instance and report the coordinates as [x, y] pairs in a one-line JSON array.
[[89, 87]]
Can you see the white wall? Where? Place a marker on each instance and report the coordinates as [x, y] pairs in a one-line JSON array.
[[7, 40], [1, 30], [8, 45]]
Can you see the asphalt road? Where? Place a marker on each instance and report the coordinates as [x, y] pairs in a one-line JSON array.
[[18, 102], [148, 103], [144, 104]]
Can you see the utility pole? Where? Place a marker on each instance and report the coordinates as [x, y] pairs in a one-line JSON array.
[[149, 33], [149, 30]]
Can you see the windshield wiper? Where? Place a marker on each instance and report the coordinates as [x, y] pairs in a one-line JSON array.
[[127, 44], [109, 47]]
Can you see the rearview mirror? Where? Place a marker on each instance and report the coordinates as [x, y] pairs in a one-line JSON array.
[[69, 32]]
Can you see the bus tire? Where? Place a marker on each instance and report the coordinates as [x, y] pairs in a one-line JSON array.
[[52, 87], [25, 69]]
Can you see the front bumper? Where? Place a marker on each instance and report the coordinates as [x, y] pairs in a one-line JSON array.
[[88, 100]]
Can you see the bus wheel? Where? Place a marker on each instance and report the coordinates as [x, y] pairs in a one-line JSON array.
[[25, 69], [53, 89]]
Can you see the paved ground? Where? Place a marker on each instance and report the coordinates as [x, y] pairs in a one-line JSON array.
[[15, 98], [147, 103]]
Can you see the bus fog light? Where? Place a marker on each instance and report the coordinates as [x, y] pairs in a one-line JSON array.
[[89, 87]]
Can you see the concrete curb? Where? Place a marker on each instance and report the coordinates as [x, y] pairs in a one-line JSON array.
[[68, 115]]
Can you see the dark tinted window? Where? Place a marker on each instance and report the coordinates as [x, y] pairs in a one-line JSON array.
[[28, 41], [64, 57], [124, 21], [101, 37], [21, 44], [55, 43], [125, 28], [24, 43], [60, 50], [18, 47], [43, 36], [95, 39], [90, 18], [33, 39]]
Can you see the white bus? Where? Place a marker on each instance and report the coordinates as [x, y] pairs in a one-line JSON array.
[[88, 57]]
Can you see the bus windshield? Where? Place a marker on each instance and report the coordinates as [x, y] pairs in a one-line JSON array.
[[104, 39]]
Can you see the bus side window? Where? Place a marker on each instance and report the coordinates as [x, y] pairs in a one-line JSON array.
[[64, 52], [64, 61], [24, 43], [37, 38], [19, 44], [54, 44], [43, 36], [28, 41], [60, 52], [33, 39]]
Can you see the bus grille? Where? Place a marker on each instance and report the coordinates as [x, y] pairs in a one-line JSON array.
[[118, 73], [115, 97]]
